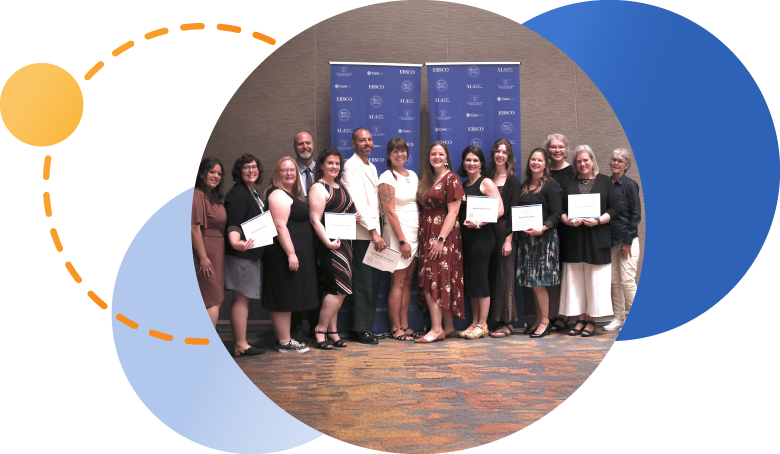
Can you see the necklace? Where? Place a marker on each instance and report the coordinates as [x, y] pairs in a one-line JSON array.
[[585, 185]]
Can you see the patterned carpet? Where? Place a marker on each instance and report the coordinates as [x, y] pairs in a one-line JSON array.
[[446, 396]]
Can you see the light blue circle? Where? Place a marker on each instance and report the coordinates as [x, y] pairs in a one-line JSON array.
[[196, 390]]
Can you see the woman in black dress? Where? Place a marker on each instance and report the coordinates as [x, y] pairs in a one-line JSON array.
[[557, 146], [243, 265], [586, 246], [478, 240], [289, 271], [503, 307], [537, 249], [334, 256]]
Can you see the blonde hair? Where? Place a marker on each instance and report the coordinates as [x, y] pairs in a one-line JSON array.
[[585, 149], [276, 180]]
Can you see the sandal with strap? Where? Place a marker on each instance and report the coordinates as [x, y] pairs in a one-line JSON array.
[[324, 345], [462, 334], [478, 332], [403, 336], [412, 334], [337, 343], [555, 327], [589, 332], [503, 334], [577, 332]]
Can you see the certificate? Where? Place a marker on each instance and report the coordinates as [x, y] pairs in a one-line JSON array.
[[584, 206], [383, 261], [261, 229], [527, 217], [340, 225], [481, 209]]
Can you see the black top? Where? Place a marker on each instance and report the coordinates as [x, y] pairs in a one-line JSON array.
[[561, 174], [510, 194], [551, 199], [241, 206], [624, 226], [590, 244]]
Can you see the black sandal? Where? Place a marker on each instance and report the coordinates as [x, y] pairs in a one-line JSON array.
[[324, 345], [555, 327], [577, 332], [339, 343], [403, 337], [413, 335], [587, 332]]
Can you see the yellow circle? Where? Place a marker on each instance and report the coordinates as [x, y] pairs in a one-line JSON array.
[[41, 104]]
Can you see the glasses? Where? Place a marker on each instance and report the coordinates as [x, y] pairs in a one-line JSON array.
[[555, 147], [398, 151], [618, 160], [287, 170], [248, 168]]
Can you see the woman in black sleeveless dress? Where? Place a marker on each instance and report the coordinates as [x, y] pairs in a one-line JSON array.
[[334, 255], [478, 239], [289, 271]]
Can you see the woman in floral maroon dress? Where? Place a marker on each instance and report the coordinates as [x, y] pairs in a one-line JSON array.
[[440, 277]]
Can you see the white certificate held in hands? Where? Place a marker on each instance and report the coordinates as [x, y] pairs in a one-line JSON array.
[[584, 206], [340, 225], [481, 209], [383, 261], [261, 229], [527, 217]]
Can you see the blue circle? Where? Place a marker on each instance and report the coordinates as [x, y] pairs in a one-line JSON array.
[[703, 140]]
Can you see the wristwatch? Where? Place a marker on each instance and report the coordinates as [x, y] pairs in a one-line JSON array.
[[441, 238], [401, 242]]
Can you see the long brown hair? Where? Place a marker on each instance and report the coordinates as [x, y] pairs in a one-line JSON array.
[[526, 184], [276, 180], [426, 181], [511, 167]]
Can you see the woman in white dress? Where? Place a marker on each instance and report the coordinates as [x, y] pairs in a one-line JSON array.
[[397, 191]]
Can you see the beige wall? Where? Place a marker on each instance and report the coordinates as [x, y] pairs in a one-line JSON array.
[[290, 91]]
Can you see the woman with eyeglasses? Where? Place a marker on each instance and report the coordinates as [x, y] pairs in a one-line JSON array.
[[397, 192], [586, 246], [208, 237], [243, 264], [289, 269], [625, 239], [557, 148]]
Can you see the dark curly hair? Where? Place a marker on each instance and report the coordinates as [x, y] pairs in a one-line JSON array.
[[206, 164], [324, 154], [240, 163], [476, 151]]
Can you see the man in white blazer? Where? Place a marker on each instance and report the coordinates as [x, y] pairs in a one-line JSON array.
[[362, 182]]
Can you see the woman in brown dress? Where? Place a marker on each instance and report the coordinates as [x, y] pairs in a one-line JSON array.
[[208, 235], [502, 170], [440, 275]]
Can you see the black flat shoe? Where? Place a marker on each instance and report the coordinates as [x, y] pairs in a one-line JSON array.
[[251, 351], [555, 327], [365, 338], [337, 343], [542, 334], [577, 332]]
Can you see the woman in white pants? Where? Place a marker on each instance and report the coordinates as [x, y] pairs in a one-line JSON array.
[[586, 245], [625, 238]]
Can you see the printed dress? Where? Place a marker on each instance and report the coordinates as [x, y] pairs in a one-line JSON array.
[[441, 278], [336, 264]]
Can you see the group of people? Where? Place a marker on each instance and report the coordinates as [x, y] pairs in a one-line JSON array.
[[569, 263]]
